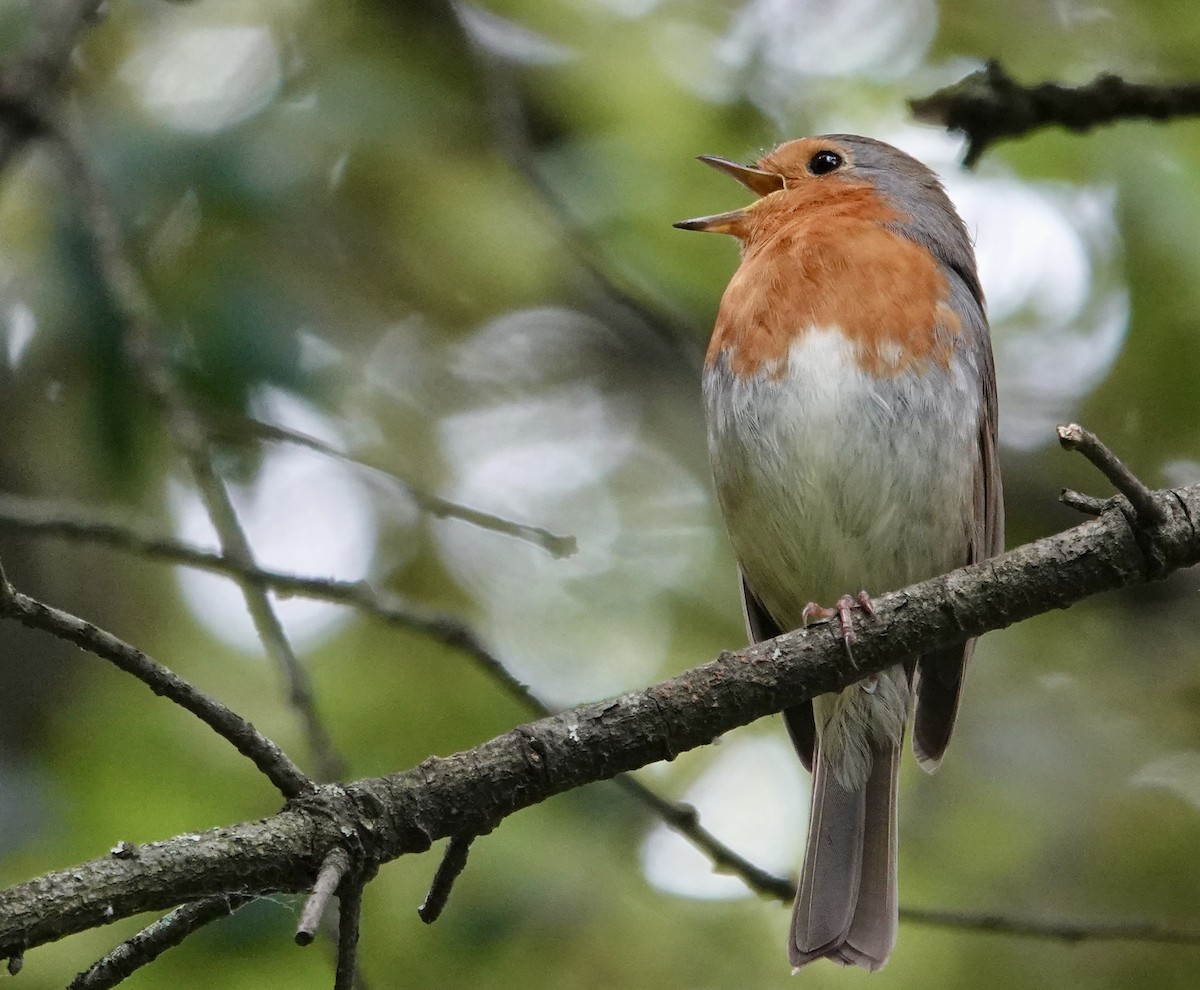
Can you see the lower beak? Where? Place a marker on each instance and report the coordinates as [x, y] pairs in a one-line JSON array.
[[733, 222], [755, 179]]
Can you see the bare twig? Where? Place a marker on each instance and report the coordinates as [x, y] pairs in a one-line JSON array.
[[1089, 505], [1075, 437], [349, 913], [1060, 929], [73, 522], [454, 860], [685, 820], [442, 508], [989, 105], [335, 867], [148, 944], [247, 740], [143, 341]]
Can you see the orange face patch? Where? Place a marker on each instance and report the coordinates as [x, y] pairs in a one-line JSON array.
[[817, 256]]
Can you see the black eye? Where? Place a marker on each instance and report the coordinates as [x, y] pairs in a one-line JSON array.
[[824, 162]]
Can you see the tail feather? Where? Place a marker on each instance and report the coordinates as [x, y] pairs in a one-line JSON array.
[[846, 904]]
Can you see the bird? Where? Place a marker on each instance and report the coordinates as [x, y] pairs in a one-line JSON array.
[[849, 392]]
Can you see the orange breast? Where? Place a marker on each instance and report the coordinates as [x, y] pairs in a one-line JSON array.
[[831, 265]]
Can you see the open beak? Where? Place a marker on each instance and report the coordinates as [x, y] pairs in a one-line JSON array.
[[756, 180], [719, 223]]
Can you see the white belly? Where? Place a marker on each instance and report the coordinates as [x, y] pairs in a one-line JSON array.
[[831, 480]]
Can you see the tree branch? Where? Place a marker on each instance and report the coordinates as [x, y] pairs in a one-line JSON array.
[[554, 544], [454, 861], [349, 913], [1075, 437], [143, 343], [74, 522], [989, 105], [246, 739], [335, 867], [153, 940], [405, 812], [1054, 929]]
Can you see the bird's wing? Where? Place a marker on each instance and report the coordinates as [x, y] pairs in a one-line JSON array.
[[799, 718], [940, 674]]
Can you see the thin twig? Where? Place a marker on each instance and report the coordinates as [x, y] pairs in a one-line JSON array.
[[685, 820], [349, 914], [73, 522], [989, 105], [148, 944], [1062, 930], [246, 739], [1075, 437], [556, 545], [335, 867], [454, 860], [143, 342], [1089, 505]]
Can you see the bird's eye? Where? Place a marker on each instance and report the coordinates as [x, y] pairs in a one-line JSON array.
[[824, 162]]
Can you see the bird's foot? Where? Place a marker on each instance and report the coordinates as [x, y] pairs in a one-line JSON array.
[[842, 612]]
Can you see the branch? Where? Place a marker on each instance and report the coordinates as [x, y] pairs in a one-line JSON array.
[[406, 812], [335, 867], [454, 861], [73, 522], [143, 344], [349, 913], [1075, 437], [152, 941], [1087, 504], [247, 740], [989, 106], [685, 820], [554, 544], [1061, 930]]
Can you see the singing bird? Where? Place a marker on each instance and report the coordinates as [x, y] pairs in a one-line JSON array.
[[850, 398]]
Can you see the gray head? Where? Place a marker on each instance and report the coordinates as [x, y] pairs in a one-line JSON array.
[[842, 171]]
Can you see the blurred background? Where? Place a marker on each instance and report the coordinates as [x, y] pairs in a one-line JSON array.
[[437, 237]]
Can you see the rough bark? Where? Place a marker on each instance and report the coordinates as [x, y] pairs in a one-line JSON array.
[[379, 819]]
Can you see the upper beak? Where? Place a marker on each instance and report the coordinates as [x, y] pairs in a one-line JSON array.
[[755, 179]]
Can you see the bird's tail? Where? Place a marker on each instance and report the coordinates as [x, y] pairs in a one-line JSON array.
[[846, 906]]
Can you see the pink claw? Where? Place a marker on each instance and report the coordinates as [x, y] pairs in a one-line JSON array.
[[842, 611]]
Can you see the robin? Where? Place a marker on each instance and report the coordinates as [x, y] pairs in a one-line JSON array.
[[850, 398]]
